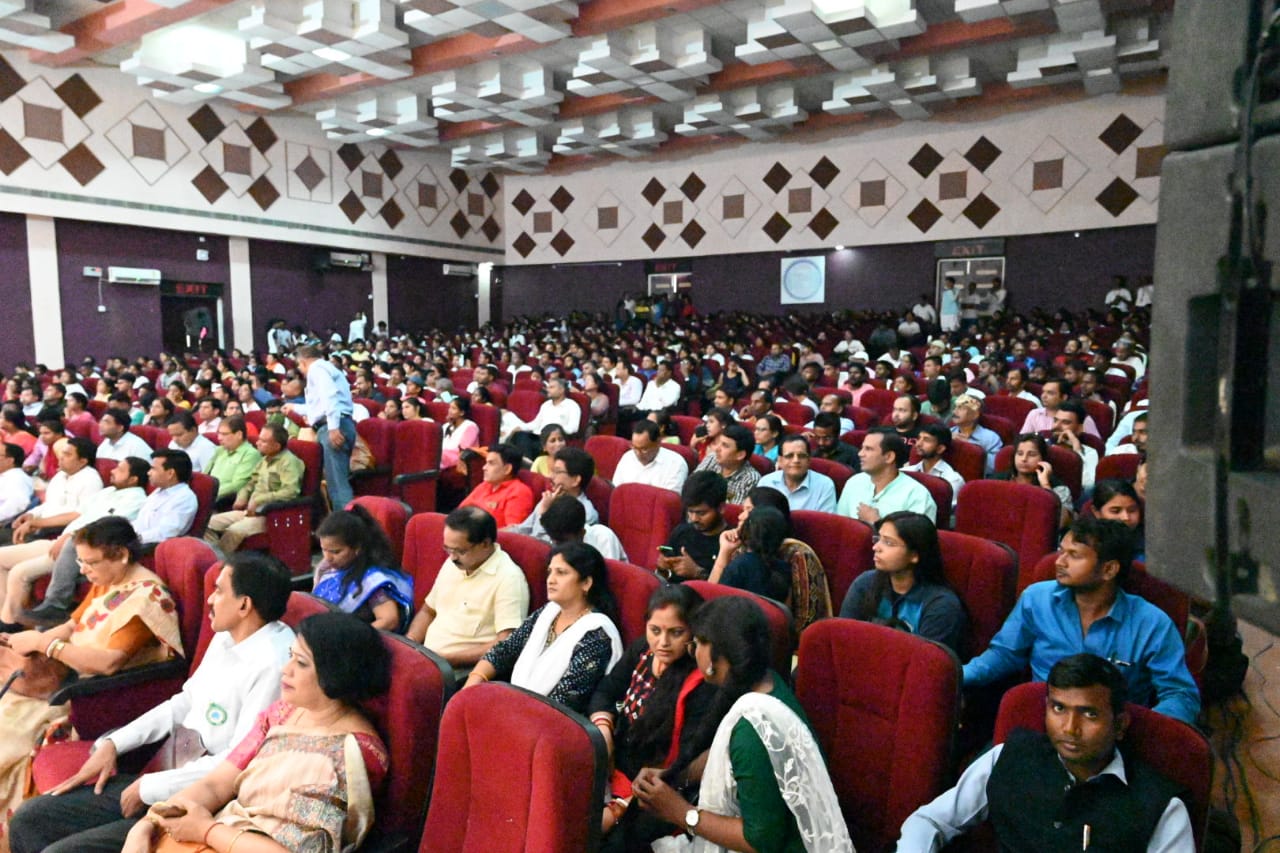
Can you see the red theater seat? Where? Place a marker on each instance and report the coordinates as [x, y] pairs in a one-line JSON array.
[[1023, 517], [631, 587], [643, 516], [781, 634], [842, 544], [985, 576]]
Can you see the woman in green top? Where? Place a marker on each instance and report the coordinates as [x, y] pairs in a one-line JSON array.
[[765, 787]]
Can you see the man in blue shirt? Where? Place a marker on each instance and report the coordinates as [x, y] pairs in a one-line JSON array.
[[328, 409], [803, 488], [1086, 610]]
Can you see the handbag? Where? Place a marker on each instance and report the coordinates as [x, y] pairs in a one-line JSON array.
[[41, 675]]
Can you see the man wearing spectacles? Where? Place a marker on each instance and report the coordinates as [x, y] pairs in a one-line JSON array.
[[479, 596], [803, 488]]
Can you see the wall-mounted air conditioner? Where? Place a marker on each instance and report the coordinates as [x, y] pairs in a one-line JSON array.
[[133, 275], [459, 269]]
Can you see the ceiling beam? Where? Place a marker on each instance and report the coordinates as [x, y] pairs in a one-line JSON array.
[[119, 24], [602, 16]]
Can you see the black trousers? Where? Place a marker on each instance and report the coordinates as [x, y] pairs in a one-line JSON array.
[[78, 821]]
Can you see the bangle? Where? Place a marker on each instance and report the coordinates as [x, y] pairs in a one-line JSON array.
[[54, 648], [205, 840], [232, 845]]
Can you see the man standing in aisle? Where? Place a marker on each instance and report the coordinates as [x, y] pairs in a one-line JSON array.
[[328, 407]]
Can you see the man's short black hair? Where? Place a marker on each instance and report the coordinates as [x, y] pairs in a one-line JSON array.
[[1075, 407], [120, 416], [1089, 670], [577, 463], [913, 400], [217, 404], [646, 426], [565, 519], [794, 438], [938, 431], [742, 437], [15, 453], [138, 468], [263, 579], [184, 419], [85, 449], [704, 488], [476, 523], [1112, 540], [827, 420], [891, 442], [175, 460], [510, 456]]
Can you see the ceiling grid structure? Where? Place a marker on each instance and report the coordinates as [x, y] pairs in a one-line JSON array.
[[526, 85]]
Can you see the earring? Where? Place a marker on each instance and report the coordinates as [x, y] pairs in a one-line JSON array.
[[711, 670]]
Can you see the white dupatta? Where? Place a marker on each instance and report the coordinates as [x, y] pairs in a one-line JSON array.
[[798, 767], [540, 668]]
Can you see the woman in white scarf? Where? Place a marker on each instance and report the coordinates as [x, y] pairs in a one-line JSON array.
[[564, 648], [765, 785]]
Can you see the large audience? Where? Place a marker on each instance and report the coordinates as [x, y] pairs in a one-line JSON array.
[[746, 419]]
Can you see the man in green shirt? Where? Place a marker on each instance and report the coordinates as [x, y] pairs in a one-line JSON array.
[[277, 477], [234, 460]]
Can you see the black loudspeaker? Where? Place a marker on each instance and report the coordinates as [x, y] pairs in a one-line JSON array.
[[195, 320], [1193, 236]]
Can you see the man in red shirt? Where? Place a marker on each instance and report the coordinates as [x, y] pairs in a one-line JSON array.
[[501, 494]]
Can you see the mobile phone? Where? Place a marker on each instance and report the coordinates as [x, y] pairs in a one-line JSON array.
[[668, 551]]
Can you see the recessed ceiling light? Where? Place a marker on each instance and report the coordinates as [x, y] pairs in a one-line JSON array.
[[377, 131], [840, 248], [207, 88]]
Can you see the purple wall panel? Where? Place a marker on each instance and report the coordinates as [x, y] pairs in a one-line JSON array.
[[17, 343], [1045, 270], [420, 296], [287, 286], [131, 324]]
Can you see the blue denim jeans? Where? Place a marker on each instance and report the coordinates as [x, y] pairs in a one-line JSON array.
[[337, 463]]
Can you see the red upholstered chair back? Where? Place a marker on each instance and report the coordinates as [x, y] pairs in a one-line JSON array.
[[181, 563], [631, 587], [535, 481], [863, 418], [760, 463], [408, 718], [685, 426], [1169, 746], [1102, 417], [525, 404], [1118, 466], [1023, 517], [310, 454], [417, 451], [1012, 409], [607, 450], [793, 413], [940, 491], [155, 437], [437, 411], [690, 458], [584, 407], [838, 473], [515, 772], [257, 418], [781, 636], [878, 400], [842, 544], [643, 517], [854, 437], [105, 467], [600, 493], [380, 435], [531, 555], [423, 551], [985, 576], [392, 516], [206, 492], [1003, 427], [969, 460], [883, 704], [488, 420]]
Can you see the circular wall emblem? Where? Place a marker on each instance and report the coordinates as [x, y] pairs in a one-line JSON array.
[[803, 280]]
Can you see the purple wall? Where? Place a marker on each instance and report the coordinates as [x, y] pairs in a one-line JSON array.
[[131, 324], [420, 296], [1044, 270], [287, 286], [17, 343]]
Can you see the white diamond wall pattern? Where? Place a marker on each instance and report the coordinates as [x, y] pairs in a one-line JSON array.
[[22, 25], [607, 218], [520, 91], [664, 60], [831, 29], [147, 142], [1048, 174], [235, 159], [627, 133], [536, 20], [757, 113], [188, 64], [907, 88], [304, 36], [386, 116], [46, 127]]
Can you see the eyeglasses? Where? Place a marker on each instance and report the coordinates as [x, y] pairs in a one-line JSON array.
[[795, 456], [456, 552], [90, 564]]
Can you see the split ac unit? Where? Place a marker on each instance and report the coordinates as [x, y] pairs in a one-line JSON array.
[[133, 275], [466, 270]]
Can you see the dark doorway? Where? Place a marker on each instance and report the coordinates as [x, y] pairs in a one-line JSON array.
[[189, 316]]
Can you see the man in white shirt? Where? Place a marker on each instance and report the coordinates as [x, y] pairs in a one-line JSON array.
[[1145, 289], [238, 679], [16, 489], [557, 409], [117, 442], [1139, 435], [1015, 382], [881, 488], [76, 481], [184, 435], [931, 446], [209, 416], [649, 462], [662, 392], [1119, 297], [924, 311], [1068, 426], [630, 387]]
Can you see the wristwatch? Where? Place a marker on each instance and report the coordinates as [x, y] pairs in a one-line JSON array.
[[691, 818]]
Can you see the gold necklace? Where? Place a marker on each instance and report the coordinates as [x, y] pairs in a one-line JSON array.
[[552, 632]]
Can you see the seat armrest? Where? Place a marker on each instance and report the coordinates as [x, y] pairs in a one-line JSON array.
[[378, 471], [278, 506], [417, 477], [90, 685]]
